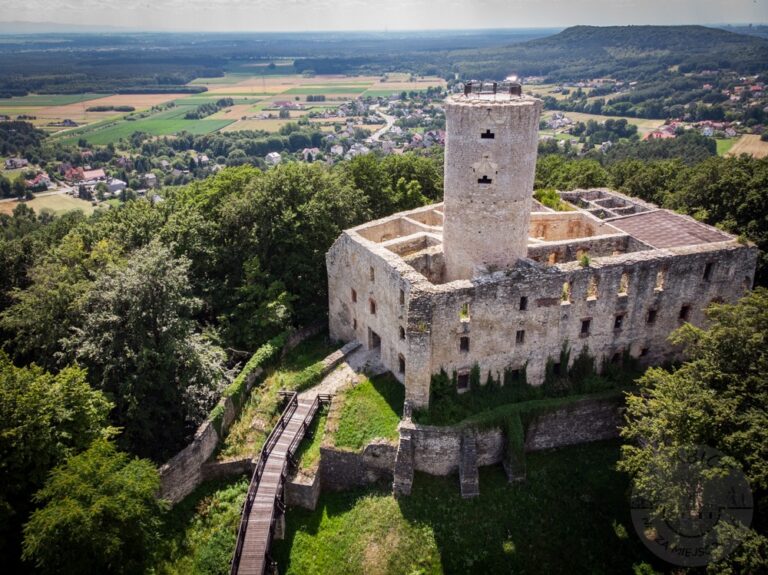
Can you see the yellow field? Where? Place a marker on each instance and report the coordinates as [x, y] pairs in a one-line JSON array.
[[749, 144], [234, 112], [59, 203]]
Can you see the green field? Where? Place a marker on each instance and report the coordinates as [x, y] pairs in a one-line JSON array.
[[58, 203], [312, 90], [571, 515], [104, 134], [42, 101], [378, 92], [724, 145]]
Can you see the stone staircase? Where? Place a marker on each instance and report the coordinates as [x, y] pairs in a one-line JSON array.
[[469, 478]]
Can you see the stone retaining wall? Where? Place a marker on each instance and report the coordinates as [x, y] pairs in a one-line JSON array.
[[341, 470]]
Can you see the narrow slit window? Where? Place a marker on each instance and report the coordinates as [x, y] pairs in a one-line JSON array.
[[372, 273], [592, 288], [661, 277], [624, 284], [354, 296], [402, 297], [523, 303], [464, 344], [618, 321], [464, 312], [565, 297], [487, 135], [586, 325], [520, 336], [354, 324], [373, 307], [401, 364], [708, 271], [402, 332]]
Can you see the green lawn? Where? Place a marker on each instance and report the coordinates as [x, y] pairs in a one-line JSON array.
[[331, 89], [570, 516], [199, 533], [378, 92], [308, 453], [369, 410]]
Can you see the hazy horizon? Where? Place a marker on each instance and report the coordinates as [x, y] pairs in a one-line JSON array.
[[376, 16]]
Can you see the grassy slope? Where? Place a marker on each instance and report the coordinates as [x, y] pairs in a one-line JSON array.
[[257, 418], [308, 453], [199, 533], [371, 409], [570, 516]]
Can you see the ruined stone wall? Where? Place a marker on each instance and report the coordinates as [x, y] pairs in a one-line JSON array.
[[486, 224], [437, 450], [341, 470], [549, 320]]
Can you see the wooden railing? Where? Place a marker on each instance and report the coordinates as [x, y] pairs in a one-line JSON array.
[[264, 454]]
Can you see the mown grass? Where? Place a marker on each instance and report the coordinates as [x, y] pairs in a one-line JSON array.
[[47, 100], [200, 532], [262, 409], [370, 410], [570, 516], [308, 453]]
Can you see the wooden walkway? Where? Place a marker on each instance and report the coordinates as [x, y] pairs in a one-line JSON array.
[[264, 502]]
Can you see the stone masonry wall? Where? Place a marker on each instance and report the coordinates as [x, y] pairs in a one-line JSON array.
[[437, 450], [341, 470]]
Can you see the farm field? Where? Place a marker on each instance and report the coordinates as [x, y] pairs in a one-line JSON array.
[[724, 145], [749, 144], [58, 203], [251, 94]]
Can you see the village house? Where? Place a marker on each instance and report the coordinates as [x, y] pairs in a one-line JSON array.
[[16, 163], [273, 158]]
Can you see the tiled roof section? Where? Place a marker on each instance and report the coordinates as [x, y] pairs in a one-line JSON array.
[[663, 229]]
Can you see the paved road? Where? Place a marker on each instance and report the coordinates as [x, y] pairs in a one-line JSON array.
[[390, 120]]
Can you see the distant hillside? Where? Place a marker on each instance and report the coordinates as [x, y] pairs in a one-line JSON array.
[[626, 52]]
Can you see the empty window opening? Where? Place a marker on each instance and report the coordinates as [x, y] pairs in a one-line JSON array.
[[402, 332], [464, 343], [520, 336], [552, 258], [374, 341], [523, 303], [354, 296], [652, 315], [402, 297], [464, 312], [616, 359], [586, 325], [618, 321], [462, 381], [708, 271], [624, 284], [372, 304], [592, 288], [487, 135], [565, 297], [484, 180], [685, 312], [354, 324], [372, 273], [401, 363], [661, 277], [747, 284], [556, 368], [644, 352]]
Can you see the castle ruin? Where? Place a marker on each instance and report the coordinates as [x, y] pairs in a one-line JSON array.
[[491, 277]]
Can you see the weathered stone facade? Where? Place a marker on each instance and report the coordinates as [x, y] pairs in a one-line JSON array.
[[614, 274]]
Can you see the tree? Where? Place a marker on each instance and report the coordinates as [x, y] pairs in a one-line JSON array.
[[43, 419], [98, 514], [717, 398], [138, 341], [19, 186]]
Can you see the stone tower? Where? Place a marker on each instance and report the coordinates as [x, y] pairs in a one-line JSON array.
[[490, 161]]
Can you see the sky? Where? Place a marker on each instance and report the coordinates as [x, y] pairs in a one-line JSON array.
[[378, 15]]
